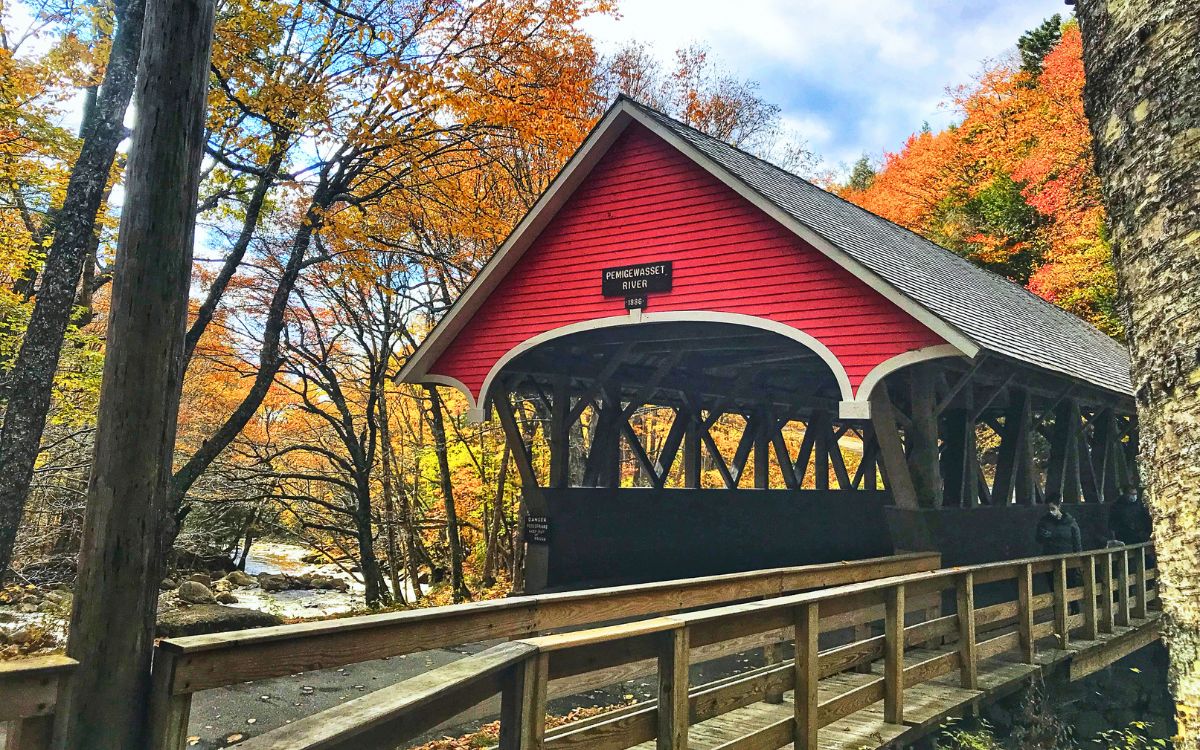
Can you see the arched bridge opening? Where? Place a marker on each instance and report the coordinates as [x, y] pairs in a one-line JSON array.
[[666, 449]]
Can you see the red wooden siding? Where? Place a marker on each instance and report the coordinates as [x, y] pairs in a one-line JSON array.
[[646, 202]]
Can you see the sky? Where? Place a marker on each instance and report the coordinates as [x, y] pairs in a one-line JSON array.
[[850, 76]]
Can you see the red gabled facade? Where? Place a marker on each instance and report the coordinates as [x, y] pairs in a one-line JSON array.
[[645, 202]]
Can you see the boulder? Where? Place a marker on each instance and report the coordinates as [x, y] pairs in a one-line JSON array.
[[194, 592], [201, 578], [275, 582], [167, 584], [211, 618], [329, 583], [285, 582], [61, 599], [20, 636], [240, 578], [226, 598]]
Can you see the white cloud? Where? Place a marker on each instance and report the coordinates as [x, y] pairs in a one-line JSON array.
[[869, 72]]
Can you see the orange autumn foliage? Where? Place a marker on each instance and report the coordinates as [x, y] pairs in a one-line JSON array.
[[1012, 185]]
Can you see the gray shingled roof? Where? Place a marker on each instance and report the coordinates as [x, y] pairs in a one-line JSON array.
[[998, 315]]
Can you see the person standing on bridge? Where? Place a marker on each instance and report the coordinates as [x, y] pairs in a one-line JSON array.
[[1057, 532], [1128, 519]]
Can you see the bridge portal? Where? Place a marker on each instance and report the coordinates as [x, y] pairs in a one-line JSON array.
[[704, 364]]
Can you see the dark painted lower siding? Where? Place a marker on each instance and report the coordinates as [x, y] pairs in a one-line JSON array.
[[967, 536], [605, 536]]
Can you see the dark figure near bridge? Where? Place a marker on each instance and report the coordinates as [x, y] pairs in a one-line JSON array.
[[1129, 520], [1057, 532]]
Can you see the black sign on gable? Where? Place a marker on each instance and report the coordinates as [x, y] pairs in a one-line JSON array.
[[636, 281]]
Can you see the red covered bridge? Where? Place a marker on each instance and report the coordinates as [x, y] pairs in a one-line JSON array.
[[664, 268]]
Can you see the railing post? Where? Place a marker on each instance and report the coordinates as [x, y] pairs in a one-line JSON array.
[[808, 674], [1091, 619], [1123, 588], [523, 704], [1106, 593], [1025, 611], [893, 656], [673, 690], [169, 712], [1060, 604], [772, 654], [966, 630], [1139, 607]]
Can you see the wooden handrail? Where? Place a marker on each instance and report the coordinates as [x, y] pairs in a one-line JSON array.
[[183, 666], [29, 690], [401, 710], [533, 662]]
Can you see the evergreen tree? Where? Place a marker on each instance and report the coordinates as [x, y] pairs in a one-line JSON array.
[[1036, 43], [862, 175]]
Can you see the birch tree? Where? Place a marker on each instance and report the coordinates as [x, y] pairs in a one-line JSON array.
[[1143, 101]]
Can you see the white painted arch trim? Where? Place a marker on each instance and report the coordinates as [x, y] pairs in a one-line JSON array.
[[474, 413], [899, 362], [693, 316]]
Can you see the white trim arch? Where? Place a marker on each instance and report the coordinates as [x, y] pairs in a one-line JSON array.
[[899, 362], [474, 413], [702, 316]]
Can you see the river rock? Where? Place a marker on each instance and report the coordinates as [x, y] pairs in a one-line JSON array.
[[211, 618], [328, 583], [285, 582], [227, 598], [201, 578], [194, 592], [27, 609], [59, 598], [167, 584], [240, 578], [20, 637], [274, 582]]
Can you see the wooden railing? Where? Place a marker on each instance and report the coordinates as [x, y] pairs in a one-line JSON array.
[[29, 690], [521, 672], [184, 666]]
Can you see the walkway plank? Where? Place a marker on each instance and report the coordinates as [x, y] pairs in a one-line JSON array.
[[925, 705]]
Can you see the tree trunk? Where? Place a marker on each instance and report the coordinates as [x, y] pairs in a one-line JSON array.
[[455, 542], [32, 376], [129, 516], [1143, 100], [492, 556], [376, 590], [389, 503]]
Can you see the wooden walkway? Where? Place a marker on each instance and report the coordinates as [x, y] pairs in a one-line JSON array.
[[873, 663], [926, 706]]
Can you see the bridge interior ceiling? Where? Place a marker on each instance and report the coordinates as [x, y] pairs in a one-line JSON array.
[[757, 409], [706, 366]]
